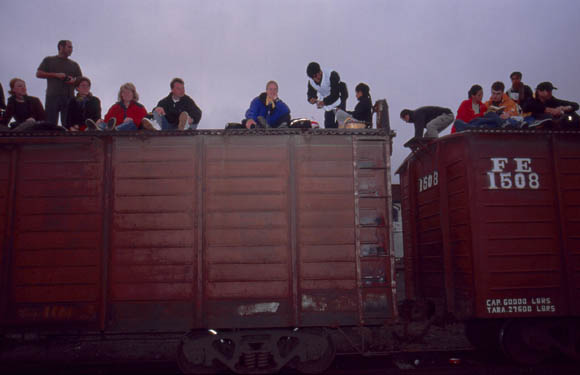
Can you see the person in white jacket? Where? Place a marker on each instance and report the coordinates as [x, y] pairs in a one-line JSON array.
[[326, 90]]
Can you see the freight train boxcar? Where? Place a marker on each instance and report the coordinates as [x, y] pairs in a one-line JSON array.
[[117, 238], [492, 235]]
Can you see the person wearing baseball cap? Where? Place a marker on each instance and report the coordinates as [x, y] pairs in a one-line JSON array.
[[546, 106]]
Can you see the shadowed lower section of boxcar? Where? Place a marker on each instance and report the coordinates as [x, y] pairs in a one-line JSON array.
[[153, 233]]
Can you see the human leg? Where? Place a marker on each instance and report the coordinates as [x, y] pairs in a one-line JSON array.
[[62, 105], [126, 126], [51, 109], [162, 121], [438, 124], [329, 120], [341, 116]]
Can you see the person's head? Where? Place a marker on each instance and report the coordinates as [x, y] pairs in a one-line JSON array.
[[544, 90], [497, 91], [128, 92], [313, 71], [83, 85], [17, 87], [516, 78], [65, 48], [406, 115], [362, 90], [177, 87], [272, 90], [475, 93]]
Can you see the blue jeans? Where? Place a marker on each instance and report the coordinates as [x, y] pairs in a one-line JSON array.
[[121, 127], [166, 125], [130, 125], [55, 104], [161, 120], [488, 121]]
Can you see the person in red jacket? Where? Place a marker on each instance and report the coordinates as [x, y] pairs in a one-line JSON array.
[[127, 113], [472, 107]]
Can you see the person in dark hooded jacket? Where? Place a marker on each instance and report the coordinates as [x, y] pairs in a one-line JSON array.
[[267, 110]]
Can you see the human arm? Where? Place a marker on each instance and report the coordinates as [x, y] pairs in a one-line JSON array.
[[334, 89], [2, 99], [280, 114], [194, 112], [311, 95], [363, 110], [37, 110]]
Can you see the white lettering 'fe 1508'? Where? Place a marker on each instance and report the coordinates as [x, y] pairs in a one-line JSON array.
[[522, 176]]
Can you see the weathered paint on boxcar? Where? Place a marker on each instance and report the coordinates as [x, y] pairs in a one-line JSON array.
[[491, 223], [211, 229]]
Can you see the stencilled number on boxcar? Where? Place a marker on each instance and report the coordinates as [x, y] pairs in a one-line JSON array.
[[428, 181], [522, 177]]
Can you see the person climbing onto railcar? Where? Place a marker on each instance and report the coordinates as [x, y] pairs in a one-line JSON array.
[[433, 119]]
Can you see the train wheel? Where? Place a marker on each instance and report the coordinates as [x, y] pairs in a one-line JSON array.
[[317, 345], [482, 334], [516, 341], [191, 357]]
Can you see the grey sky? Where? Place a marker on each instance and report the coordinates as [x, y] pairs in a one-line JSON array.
[[413, 53]]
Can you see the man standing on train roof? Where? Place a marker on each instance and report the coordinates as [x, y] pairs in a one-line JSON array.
[[546, 106], [519, 92], [434, 119], [326, 91], [176, 110], [60, 73]]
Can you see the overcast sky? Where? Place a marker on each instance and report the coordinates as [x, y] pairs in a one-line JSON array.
[[412, 52]]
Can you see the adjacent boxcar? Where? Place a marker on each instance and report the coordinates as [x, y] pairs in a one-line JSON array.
[[235, 246], [492, 235]]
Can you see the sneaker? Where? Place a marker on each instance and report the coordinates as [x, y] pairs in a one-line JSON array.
[[90, 124], [111, 123], [539, 122], [150, 124], [183, 117]]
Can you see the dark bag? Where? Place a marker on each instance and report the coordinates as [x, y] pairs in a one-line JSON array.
[[301, 123]]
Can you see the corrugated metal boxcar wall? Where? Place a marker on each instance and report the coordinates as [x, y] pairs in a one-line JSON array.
[[218, 230]]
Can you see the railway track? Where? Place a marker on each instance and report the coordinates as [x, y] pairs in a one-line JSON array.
[[433, 363]]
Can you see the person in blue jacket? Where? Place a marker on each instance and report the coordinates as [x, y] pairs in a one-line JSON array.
[[267, 110]]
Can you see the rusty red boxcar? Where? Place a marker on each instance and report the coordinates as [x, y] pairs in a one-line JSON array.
[[492, 235], [187, 240]]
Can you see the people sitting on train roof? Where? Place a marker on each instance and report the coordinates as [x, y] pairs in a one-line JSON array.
[[84, 109], [472, 112], [363, 111], [519, 92], [26, 110], [267, 110], [434, 119], [127, 113], [501, 103], [544, 106], [507, 109], [176, 111]]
